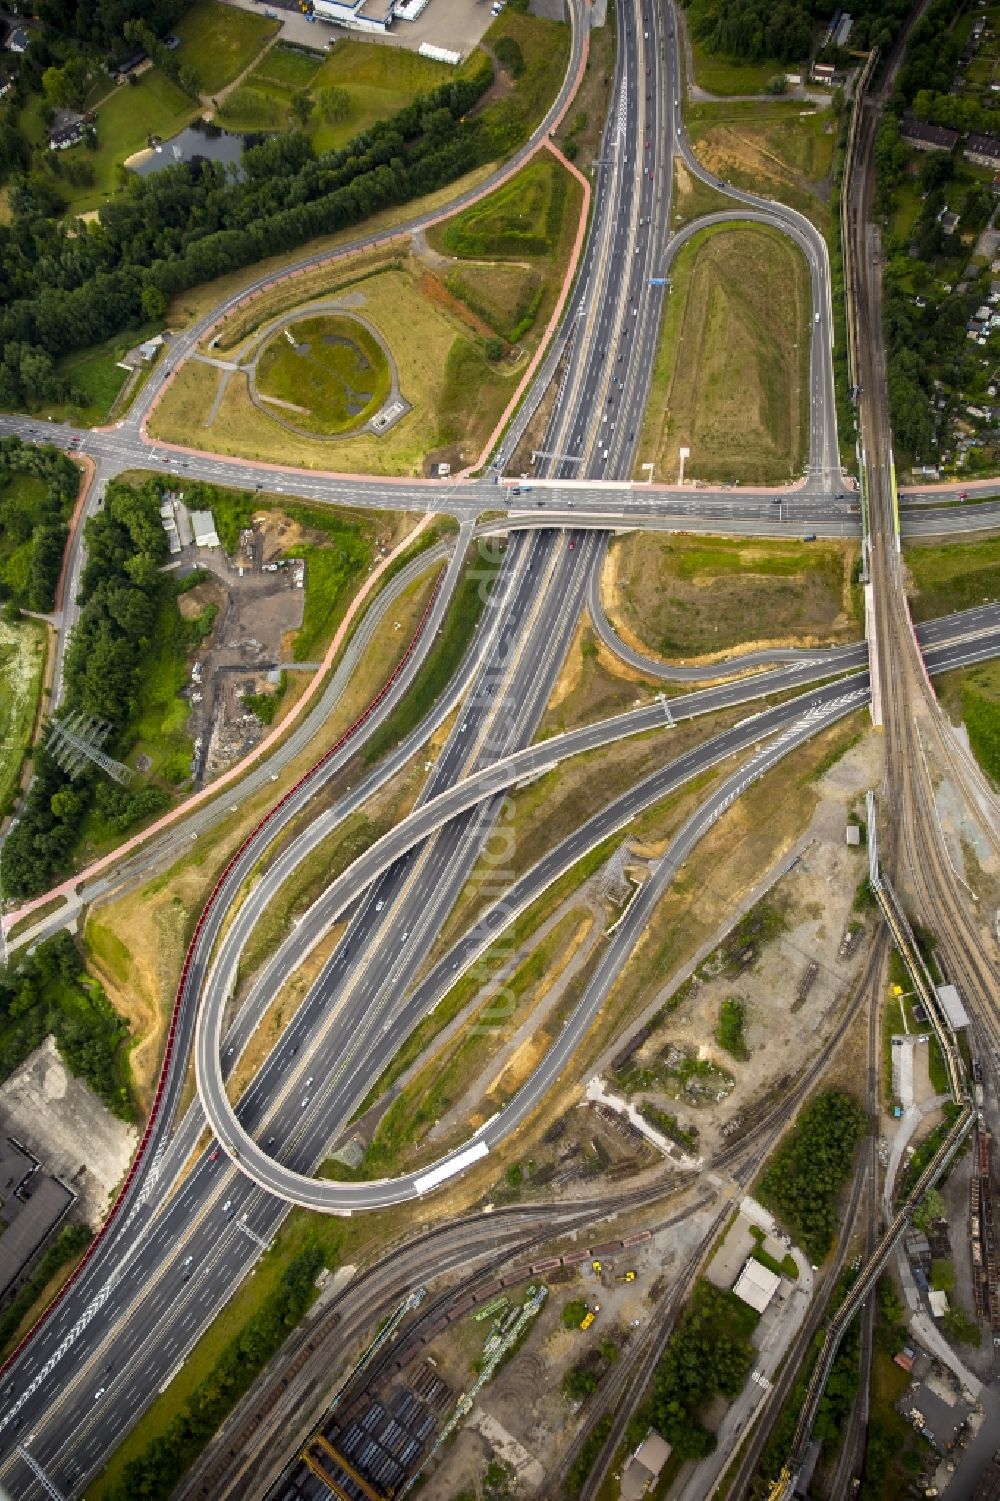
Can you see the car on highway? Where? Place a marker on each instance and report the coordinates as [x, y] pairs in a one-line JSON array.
[[305, 1102], [99, 1393], [214, 1155]]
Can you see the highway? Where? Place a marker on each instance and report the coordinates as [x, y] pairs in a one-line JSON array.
[[181, 1242]]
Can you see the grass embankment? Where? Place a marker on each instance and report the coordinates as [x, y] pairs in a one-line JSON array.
[[460, 621], [35, 1295], [460, 338], [686, 596], [453, 1069], [731, 374], [955, 577], [782, 148], [22, 668], [333, 377], [959, 577], [220, 41], [693, 198]]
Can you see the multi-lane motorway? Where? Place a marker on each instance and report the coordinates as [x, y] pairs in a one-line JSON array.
[[180, 1243]]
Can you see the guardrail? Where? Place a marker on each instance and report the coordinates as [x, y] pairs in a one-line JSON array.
[[152, 1123]]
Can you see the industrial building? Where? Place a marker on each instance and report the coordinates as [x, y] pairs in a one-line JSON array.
[[756, 1285]]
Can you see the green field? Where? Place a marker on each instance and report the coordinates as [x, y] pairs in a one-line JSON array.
[[378, 80], [22, 667], [219, 41], [336, 375], [955, 577], [731, 376], [687, 596]]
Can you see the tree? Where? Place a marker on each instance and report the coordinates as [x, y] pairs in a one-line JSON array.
[[493, 348], [302, 105], [65, 87], [930, 1208], [154, 303], [334, 104]]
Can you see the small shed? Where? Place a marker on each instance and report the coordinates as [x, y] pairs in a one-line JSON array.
[[642, 1470], [938, 1302], [203, 526], [951, 1005]]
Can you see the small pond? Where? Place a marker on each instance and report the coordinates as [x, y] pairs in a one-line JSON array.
[[208, 141]]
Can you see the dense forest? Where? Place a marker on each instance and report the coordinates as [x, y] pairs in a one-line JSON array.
[[66, 287], [50, 991], [121, 590], [811, 1166], [786, 30], [33, 521]]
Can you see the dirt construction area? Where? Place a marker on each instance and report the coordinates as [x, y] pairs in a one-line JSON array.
[[66, 1127], [788, 964], [258, 596]]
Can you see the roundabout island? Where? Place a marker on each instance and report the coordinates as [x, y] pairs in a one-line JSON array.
[[325, 372]]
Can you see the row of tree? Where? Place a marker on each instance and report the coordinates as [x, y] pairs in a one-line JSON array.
[[33, 529], [62, 290], [785, 29], [49, 991], [121, 591], [157, 1471]]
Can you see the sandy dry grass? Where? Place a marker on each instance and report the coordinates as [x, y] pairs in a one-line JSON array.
[[730, 380], [691, 598], [425, 336]]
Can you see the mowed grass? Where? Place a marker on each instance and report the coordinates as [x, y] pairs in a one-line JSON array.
[[731, 376], [379, 80], [336, 373], [781, 148], [22, 668], [687, 596], [955, 577], [219, 41], [153, 105]]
